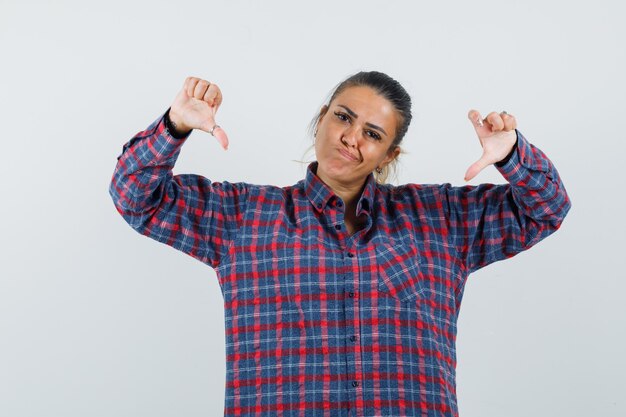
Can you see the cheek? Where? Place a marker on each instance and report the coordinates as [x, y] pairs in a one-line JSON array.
[[320, 145], [322, 139], [370, 153]]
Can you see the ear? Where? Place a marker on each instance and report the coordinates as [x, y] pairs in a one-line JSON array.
[[391, 155]]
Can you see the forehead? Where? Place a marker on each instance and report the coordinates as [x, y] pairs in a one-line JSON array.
[[368, 105]]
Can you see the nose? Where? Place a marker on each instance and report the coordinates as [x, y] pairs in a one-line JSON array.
[[350, 136]]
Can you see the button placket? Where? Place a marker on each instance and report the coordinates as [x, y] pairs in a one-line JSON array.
[[351, 309]]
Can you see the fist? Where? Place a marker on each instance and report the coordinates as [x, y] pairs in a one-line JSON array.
[[195, 107]]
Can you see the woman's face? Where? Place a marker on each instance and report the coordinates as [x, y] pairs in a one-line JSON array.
[[354, 136]]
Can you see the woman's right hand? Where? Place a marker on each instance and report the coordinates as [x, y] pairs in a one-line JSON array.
[[195, 106]]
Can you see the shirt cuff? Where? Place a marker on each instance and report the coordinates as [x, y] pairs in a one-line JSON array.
[[169, 127], [524, 158]]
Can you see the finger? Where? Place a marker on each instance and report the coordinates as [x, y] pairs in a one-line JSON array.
[[509, 121], [211, 95], [495, 120], [191, 85], [475, 118], [475, 168], [187, 84], [218, 97], [201, 89], [208, 95], [482, 129]]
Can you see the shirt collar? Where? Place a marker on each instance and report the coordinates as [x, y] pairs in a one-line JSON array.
[[319, 193]]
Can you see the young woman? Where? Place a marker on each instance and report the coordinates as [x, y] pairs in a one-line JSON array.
[[341, 293]]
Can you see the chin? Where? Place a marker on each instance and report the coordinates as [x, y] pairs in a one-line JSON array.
[[344, 174], [336, 168]]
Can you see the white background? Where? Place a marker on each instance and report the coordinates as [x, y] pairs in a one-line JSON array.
[[97, 320]]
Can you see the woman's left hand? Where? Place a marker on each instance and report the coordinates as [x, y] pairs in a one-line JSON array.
[[497, 136]]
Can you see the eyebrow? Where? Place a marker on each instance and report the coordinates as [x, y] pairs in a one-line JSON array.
[[353, 114]]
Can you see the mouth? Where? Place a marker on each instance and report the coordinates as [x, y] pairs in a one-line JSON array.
[[348, 155]]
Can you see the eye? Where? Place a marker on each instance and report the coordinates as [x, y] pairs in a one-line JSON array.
[[374, 135], [345, 118], [342, 116]]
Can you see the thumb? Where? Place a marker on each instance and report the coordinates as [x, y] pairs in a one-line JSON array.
[[476, 167], [213, 128], [221, 137]]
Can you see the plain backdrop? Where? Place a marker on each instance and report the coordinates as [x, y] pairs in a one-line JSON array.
[[97, 320]]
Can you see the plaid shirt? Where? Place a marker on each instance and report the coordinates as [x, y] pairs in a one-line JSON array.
[[321, 323]]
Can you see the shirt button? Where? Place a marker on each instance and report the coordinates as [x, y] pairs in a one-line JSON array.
[[338, 226], [350, 255], [319, 205], [352, 338], [355, 383], [350, 294]]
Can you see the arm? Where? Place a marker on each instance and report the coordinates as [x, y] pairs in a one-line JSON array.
[[187, 212], [492, 222]]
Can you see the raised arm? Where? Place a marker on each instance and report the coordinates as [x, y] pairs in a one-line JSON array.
[[491, 222], [187, 212]]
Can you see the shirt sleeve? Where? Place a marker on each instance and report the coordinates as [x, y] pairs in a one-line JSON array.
[[491, 222], [187, 211]]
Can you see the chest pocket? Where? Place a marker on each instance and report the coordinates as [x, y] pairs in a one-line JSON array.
[[399, 271]]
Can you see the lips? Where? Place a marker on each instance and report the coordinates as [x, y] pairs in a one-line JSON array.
[[348, 155]]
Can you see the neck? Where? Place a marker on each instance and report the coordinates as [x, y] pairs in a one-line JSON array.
[[348, 192], [349, 195]]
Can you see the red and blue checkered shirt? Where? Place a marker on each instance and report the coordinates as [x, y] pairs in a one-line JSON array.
[[321, 323]]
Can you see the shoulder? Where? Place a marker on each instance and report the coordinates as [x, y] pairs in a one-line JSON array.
[[268, 193], [409, 191], [414, 200]]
